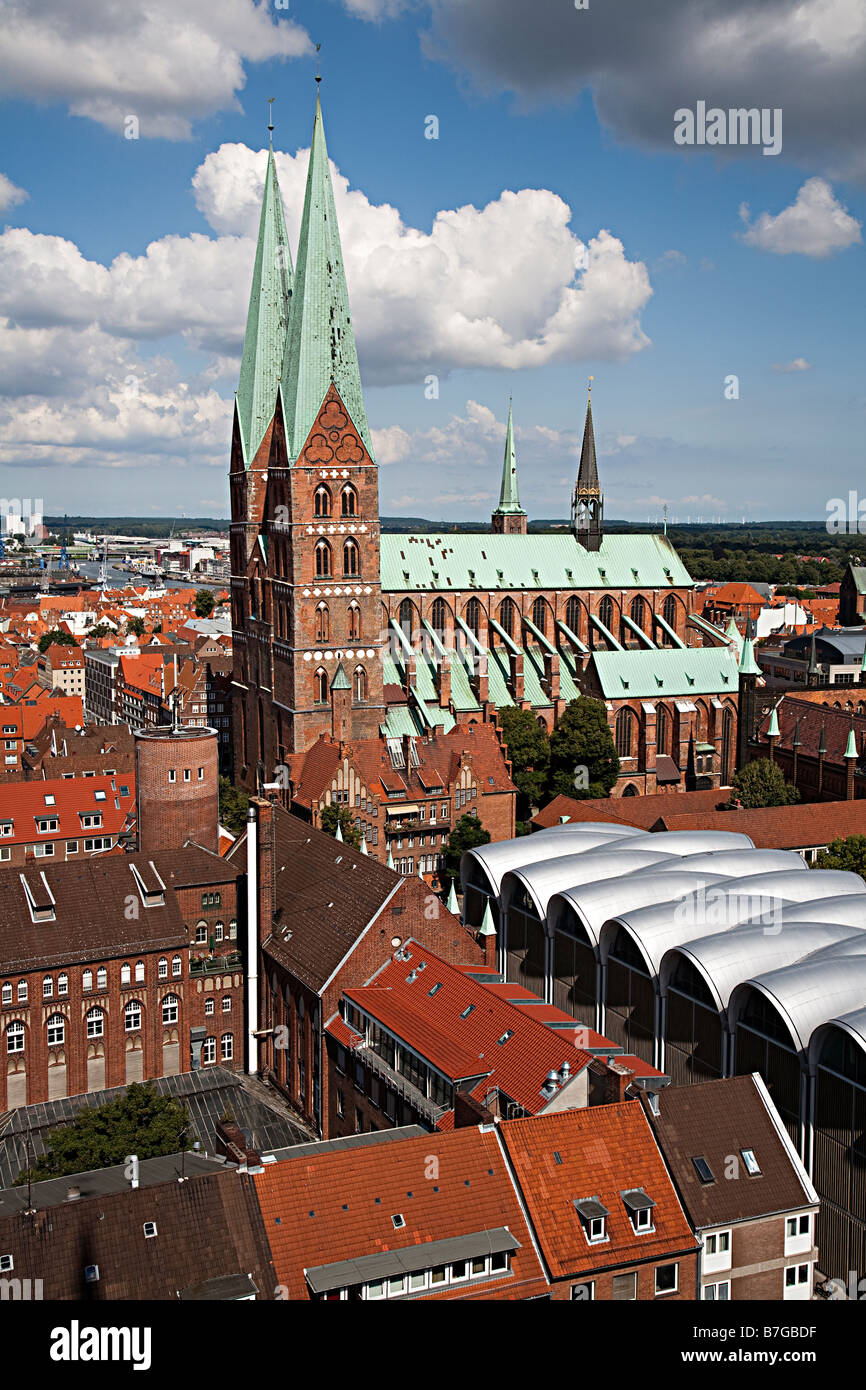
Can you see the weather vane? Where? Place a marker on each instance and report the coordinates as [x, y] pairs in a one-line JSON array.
[[591, 380], [318, 64], [270, 113]]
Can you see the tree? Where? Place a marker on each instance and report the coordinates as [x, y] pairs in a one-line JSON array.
[[99, 631], [529, 750], [57, 636], [761, 783], [204, 603], [583, 760], [468, 833], [140, 1122], [135, 625], [848, 853], [234, 804], [348, 829]]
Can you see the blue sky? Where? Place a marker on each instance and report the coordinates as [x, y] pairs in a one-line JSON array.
[[553, 230]]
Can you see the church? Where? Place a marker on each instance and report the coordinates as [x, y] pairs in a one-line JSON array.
[[369, 667]]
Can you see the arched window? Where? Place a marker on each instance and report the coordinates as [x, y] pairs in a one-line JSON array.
[[15, 1037], [350, 501], [727, 747], [323, 502], [439, 617], [626, 728], [126, 974], [669, 613], [169, 1009], [22, 991], [354, 622], [350, 557], [572, 615], [139, 972], [6, 993], [473, 615], [701, 722], [605, 612], [321, 679], [360, 685], [56, 1030], [132, 1016], [95, 1020], [63, 984], [406, 615], [638, 609], [227, 1047], [506, 616], [208, 1052], [323, 559], [323, 623], [87, 980], [539, 614], [162, 968], [663, 730], [176, 965], [47, 987]]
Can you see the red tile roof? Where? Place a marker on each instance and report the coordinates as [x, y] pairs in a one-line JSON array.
[[604, 1151], [23, 803], [336, 1203]]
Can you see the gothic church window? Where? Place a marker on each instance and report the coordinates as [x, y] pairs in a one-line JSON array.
[[323, 558], [350, 557], [349, 501], [322, 502]]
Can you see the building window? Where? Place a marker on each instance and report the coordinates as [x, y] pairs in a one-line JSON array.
[[102, 978], [717, 1292], [208, 1051], [6, 994], [323, 559], [47, 987], [354, 622], [132, 1016], [15, 1037], [473, 615], [87, 981], [139, 972], [624, 1288], [176, 966], [539, 615], [227, 1003], [718, 1244], [208, 1007], [95, 1023], [63, 984], [340, 1102], [125, 974], [626, 722], [349, 501], [350, 557], [217, 933], [56, 1030], [360, 685], [227, 1047], [506, 616], [795, 1275], [22, 991], [321, 686], [323, 623], [666, 1278], [169, 1009], [322, 502]]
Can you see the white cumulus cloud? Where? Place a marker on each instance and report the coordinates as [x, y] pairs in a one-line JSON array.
[[10, 194], [799, 364], [815, 224]]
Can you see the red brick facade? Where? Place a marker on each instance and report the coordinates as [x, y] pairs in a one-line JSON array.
[[177, 788]]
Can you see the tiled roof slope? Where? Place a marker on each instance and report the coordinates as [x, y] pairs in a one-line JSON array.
[[24, 803], [715, 1121], [604, 1151], [337, 1204], [464, 560]]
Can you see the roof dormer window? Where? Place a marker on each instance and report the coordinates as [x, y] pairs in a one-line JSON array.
[[640, 1209], [593, 1216]]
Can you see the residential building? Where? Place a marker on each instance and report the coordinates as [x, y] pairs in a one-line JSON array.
[[64, 818]]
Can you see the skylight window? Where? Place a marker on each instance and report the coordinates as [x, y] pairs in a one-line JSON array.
[[467, 1011], [398, 1221], [49, 799], [509, 1033], [703, 1170], [753, 1168], [436, 988]]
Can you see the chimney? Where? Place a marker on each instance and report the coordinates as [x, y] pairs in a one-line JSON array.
[[132, 1169], [515, 664]]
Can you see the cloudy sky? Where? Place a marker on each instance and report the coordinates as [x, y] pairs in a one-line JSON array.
[[554, 229]]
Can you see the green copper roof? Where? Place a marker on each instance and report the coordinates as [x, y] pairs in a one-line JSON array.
[[773, 726], [851, 750], [320, 347], [748, 664], [452, 904], [467, 560], [267, 319], [667, 673], [858, 574], [341, 680], [487, 927], [509, 501]]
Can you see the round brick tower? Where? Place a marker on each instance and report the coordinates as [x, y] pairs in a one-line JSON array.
[[177, 788]]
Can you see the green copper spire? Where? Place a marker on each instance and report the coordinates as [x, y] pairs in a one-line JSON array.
[[509, 501], [267, 319], [452, 904], [320, 347], [748, 664], [487, 927], [338, 834], [796, 741], [390, 860], [341, 680], [773, 729], [851, 750]]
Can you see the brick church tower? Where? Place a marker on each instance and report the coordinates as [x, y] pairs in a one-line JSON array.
[[306, 598]]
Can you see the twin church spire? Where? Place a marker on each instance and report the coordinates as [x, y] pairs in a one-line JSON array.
[[299, 336], [587, 507]]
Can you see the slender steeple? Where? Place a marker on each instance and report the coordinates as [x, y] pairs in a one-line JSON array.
[[320, 347], [587, 507], [509, 517], [267, 319]]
